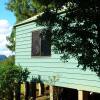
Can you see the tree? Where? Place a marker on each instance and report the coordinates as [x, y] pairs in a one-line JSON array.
[[74, 28], [9, 75], [11, 39], [24, 9]]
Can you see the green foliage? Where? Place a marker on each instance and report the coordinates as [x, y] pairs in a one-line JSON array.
[[24, 9], [11, 39], [9, 75], [75, 30]]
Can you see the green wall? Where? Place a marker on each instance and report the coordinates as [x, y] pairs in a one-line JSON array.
[[68, 74]]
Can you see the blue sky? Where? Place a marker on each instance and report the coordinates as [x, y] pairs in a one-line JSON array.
[[7, 20], [6, 14]]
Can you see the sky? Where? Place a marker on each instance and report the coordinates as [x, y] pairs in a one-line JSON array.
[[7, 20]]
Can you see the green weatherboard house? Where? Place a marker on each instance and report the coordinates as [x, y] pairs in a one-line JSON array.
[[34, 53]]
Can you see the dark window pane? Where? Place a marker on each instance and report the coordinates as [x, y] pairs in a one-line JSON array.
[[36, 44], [45, 47]]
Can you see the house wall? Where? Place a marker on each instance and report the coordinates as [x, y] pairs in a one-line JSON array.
[[67, 74]]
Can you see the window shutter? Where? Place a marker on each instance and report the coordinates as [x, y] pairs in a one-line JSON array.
[[36, 44]]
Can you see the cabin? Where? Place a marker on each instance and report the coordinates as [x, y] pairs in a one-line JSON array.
[[34, 53]]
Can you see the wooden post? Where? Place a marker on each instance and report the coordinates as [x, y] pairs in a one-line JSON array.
[[39, 87], [23, 91], [51, 92], [42, 88], [26, 90], [82, 95], [17, 91], [33, 90]]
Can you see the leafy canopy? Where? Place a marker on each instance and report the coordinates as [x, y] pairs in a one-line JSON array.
[[11, 40], [74, 28], [24, 9]]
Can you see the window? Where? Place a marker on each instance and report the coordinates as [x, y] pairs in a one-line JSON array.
[[41, 46]]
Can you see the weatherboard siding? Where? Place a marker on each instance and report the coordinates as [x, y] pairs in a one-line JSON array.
[[68, 74]]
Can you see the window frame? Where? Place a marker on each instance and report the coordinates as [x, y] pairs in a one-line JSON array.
[[38, 30]]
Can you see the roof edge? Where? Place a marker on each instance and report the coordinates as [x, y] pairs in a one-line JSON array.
[[29, 20]]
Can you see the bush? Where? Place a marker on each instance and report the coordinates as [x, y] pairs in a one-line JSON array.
[[9, 75]]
